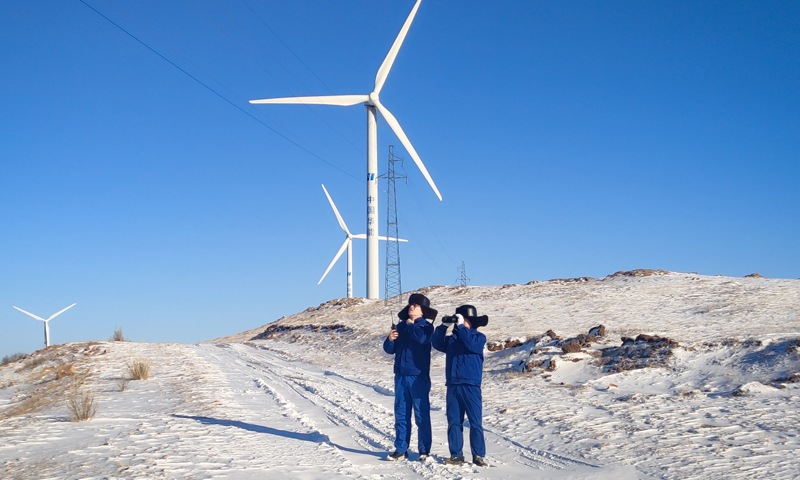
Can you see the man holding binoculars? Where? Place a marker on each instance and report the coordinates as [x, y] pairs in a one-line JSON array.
[[464, 371]]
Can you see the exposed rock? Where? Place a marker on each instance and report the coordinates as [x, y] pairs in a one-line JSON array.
[[643, 352], [598, 331], [550, 366], [533, 364], [640, 272], [272, 330], [552, 334], [572, 280], [571, 347], [754, 275], [507, 410], [502, 345]]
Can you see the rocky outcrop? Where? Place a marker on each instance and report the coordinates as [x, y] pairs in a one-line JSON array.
[[273, 330], [639, 272], [641, 352]]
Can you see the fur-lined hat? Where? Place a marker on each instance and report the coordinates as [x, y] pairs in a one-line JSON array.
[[423, 302], [471, 313]]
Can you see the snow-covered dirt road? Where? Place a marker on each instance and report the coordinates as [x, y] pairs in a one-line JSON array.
[[348, 423], [241, 411]]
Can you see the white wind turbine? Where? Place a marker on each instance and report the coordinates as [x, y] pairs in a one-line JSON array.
[[372, 103], [348, 244], [46, 324]]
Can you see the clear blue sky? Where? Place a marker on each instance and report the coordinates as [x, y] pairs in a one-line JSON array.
[[567, 139]]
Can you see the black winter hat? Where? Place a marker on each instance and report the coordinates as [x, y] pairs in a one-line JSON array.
[[423, 302], [471, 313]]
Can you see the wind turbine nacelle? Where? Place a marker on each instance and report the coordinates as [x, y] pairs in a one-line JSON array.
[[374, 98]]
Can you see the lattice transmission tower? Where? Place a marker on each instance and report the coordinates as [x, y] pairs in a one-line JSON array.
[[392, 284], [463, 279]]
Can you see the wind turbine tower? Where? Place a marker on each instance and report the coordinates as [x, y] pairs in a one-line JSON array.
[[46, 322], [372, 102]]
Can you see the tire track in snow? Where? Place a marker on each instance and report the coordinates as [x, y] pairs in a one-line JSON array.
[[353, 415]]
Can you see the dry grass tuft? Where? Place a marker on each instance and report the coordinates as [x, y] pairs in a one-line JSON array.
[[122, 383], [81, 403], [118, 336], [138, 368]]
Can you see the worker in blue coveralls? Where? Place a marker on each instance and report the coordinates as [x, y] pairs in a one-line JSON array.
[[463, 349], [410, 343]]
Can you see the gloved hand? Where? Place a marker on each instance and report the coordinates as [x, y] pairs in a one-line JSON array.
[[460, 319]]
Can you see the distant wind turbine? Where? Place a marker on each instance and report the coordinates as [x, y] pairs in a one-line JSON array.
[[46, 324], [348, 244], [372, 102]]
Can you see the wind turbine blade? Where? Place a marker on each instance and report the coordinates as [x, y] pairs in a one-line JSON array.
[[59, 313], [392, 238], [339, 100], [32, 315], [362, 236], [398, 130], [386, 66], [336, 211], [338, 254]]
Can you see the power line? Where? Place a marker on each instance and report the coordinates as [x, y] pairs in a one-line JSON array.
[[220, 95], [263, 22], [262, 66]]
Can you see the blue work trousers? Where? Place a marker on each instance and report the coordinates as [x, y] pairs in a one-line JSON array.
[[412, 392], [463, 399]]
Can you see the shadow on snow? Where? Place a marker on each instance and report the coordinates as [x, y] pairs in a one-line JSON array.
[[315, 437]]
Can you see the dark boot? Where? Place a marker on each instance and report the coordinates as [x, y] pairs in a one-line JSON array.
[[396, 456]]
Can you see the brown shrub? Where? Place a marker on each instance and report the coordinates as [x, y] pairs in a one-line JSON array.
[[118, 336], [138, 368], [81, 403]]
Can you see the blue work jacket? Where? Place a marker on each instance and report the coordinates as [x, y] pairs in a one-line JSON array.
[[412, 348], [463, 354]]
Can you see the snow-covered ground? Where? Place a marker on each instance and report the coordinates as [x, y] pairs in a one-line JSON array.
[[712, 391]]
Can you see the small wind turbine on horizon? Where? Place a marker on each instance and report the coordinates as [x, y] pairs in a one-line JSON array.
[[46, 322], [348, 244], [372, 102]]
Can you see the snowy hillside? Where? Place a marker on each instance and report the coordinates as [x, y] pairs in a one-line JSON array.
[[642, 374]]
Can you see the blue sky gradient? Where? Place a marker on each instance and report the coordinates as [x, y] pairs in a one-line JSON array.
[[567, 139]]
